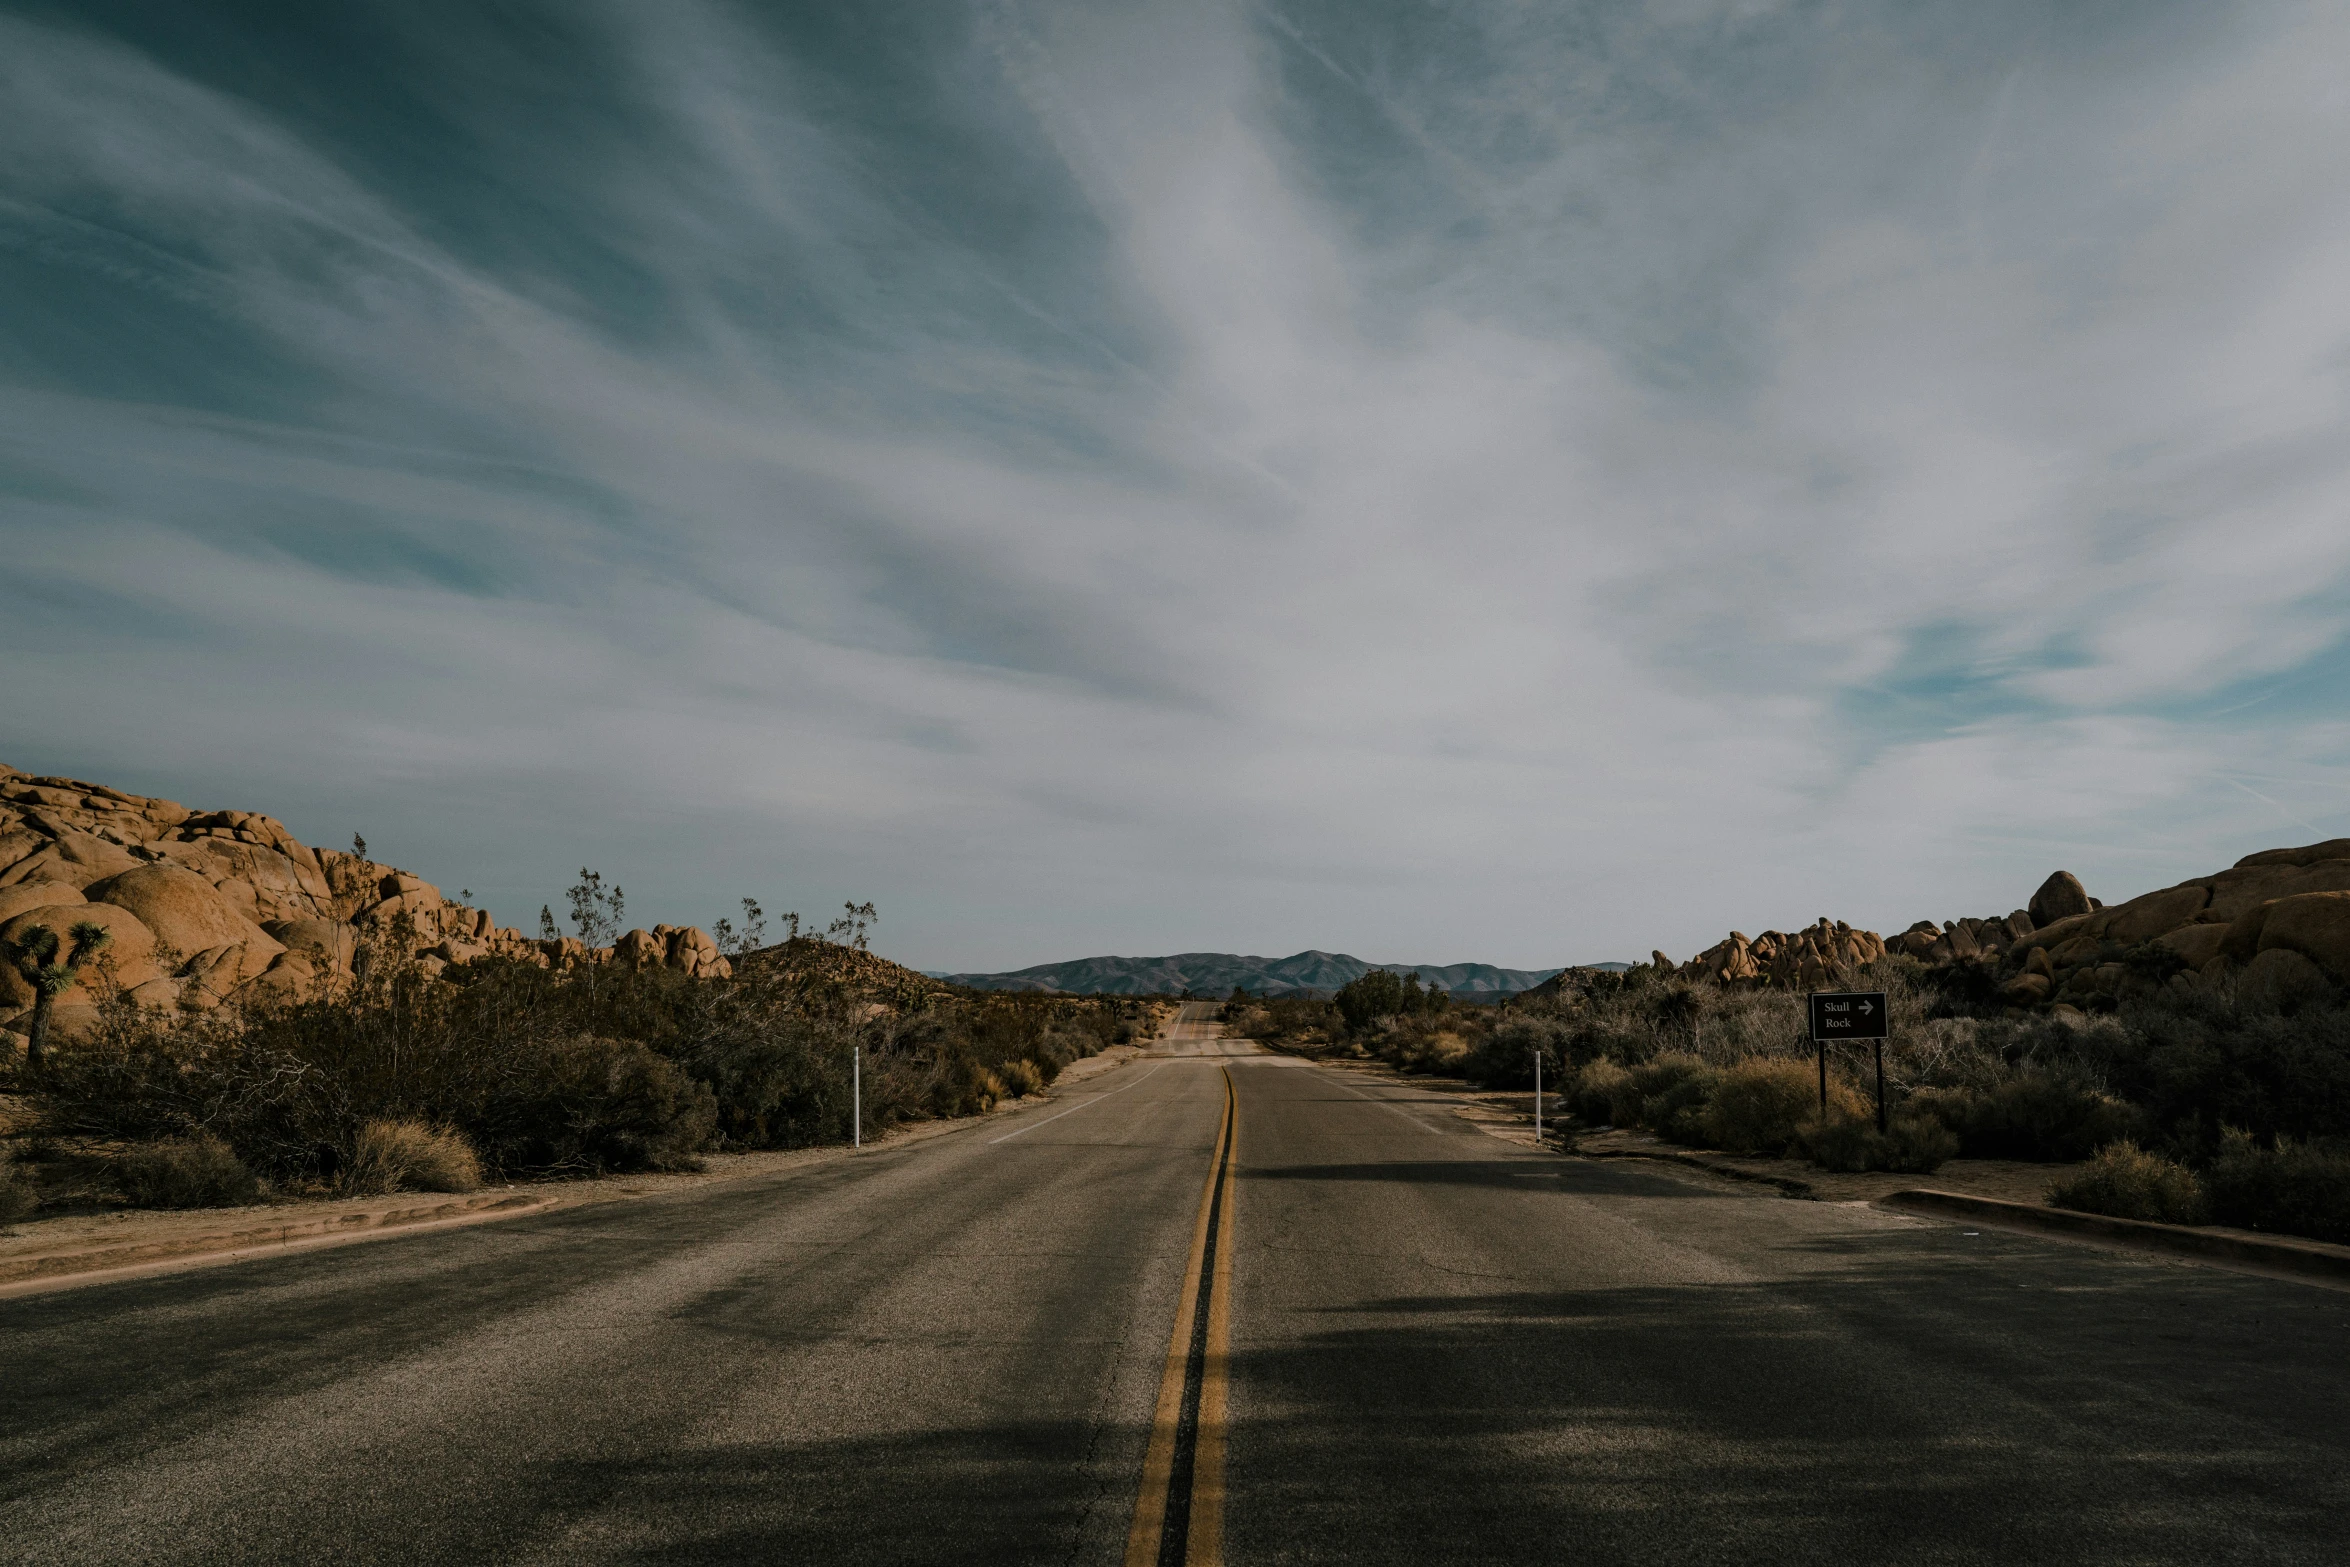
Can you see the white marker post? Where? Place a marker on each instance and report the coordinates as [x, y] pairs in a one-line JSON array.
[[856, 1096], [1537, 1098]]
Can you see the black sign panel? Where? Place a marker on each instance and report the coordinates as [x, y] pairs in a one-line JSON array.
[[1847, 1014]]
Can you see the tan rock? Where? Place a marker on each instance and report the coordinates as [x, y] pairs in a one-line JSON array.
[[2060, 897], [2309, 854], [75, 858], [130, 956], [2314, 924], [2198, 944], [639, 949], [2025, 990], [182, 909], [2143, 919], [158, 994], [36, 895], [2078, 950], [2052, 936], [327, 943], [216, 972], [2237, 891]]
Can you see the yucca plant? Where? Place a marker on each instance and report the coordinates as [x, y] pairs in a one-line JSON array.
[[33, 953]]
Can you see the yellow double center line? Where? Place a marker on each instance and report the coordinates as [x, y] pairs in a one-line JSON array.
[[1179, 1516]]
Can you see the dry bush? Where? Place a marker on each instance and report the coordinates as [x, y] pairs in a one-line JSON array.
[[18, 1195], [1597, 1090], [2055, 1115], [1419, 1048], [1672, 1092], [2293, 1188], [2126, 1182], [391, 1156], [1759, 1103], [1020, 1079], [196, 1172], [1849, 1142]]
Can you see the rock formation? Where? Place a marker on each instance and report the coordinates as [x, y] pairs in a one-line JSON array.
[[2278, 922], [207, 907], [1808, 959]]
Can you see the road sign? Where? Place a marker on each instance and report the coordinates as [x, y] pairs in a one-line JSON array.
[[1847, 1014]]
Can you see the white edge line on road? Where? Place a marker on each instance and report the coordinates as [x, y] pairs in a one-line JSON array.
[[1073, 1109], [1389, 1104]]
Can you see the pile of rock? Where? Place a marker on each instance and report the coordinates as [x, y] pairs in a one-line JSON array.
[[2277, 922], [1812, 958], [210, 907]]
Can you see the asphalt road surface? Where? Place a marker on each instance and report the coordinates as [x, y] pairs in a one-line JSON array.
[[1042, 1338]]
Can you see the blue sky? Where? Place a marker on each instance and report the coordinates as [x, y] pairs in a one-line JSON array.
[[1444, 482]]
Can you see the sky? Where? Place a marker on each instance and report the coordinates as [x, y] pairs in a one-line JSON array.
[[1470, 481]]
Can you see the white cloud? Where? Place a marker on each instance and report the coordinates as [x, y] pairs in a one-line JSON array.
[[1382, 588]]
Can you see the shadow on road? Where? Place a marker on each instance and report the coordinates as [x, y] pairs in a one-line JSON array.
[[1907, 1402]]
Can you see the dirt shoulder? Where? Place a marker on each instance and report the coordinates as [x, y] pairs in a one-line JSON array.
[[43, 1252]]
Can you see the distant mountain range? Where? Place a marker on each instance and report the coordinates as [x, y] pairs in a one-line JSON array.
[[1215, 973]]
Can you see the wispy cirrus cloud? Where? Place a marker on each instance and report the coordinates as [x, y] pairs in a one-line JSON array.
[[1489, 483]]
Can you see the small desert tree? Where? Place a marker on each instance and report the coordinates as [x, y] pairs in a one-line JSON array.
[[850, 929], [595, 911], [34, 954]]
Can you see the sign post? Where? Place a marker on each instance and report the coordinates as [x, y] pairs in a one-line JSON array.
[[1849, 1014], [856, 1097]]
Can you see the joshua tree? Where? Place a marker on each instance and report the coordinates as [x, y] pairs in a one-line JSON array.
[[33, 953]]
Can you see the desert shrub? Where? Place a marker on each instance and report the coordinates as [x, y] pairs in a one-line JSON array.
[[1060, 1044], [1673, 1091], [1758, 1104], [589, 1105], [391, 1156], [2201, 1060], [1598, 1089], [1372, 998], [1911, 1144], [2031, 1114], [2125, 1182], [196, 1172], [1020, 1079], [18, 1195], [1503, 1057], [2292, 1189], [1416, 1047]]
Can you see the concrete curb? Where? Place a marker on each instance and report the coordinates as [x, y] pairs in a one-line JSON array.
[[2314, 1261], [91, 1265]]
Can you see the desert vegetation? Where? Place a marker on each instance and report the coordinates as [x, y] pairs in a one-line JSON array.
[[2218, 1101], [409, 1075]]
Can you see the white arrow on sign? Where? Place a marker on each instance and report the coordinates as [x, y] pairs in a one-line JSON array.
[[1867, 1007]]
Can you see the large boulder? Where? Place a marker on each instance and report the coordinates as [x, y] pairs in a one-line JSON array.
[[2316, 925], [129, 956], [2060, 897], [328, 944], [2155, 914], [35, 895], [183, 910], [75, 858]]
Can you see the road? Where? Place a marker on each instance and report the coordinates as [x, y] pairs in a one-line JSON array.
[[1045, 1337]]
